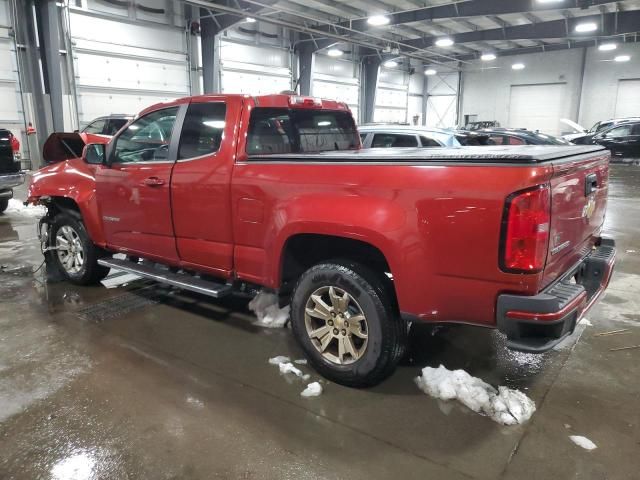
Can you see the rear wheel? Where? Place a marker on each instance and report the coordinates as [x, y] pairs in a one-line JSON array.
[[343, 316], [74, 254], [4, 204]]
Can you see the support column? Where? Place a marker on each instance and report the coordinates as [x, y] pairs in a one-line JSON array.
[[49, 34], [368, 88], [306, 58], [210, 63]]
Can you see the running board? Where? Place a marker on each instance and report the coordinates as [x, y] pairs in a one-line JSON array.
[[180, 280]]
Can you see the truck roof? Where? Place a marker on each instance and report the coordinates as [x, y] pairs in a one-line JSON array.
[[472, 154]]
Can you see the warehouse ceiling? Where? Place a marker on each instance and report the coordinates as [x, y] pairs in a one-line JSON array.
[[412, 27]]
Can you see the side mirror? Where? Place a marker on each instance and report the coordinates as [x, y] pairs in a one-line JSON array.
[[94, 154]]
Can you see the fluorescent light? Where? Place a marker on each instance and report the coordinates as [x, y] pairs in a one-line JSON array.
[[250, 20], [487, 57], [444, 42], [214, 123], [430, 71], [334, 52], [622, 58], [378, 20], [550, 1], [586, 27], [324, 123], [605, 47], [390, 64], [517, 66]]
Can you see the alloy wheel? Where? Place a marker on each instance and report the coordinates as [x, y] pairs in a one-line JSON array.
[[336, 325], [70, 249]]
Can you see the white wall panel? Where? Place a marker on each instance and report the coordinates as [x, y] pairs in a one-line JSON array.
[[253, 70], [337, 80], [96, 103], [628, 98], [537, 107], [391, 96]]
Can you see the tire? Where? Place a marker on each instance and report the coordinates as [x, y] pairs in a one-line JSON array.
[[4, 204], [66, 227], [362, 362]]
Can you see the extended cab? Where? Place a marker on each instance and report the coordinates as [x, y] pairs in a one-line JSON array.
[[220, 192]]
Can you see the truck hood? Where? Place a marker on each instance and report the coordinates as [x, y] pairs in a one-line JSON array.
[[576, 126], [61, 146]]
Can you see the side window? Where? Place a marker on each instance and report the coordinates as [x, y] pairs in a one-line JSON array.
[[619, 131], [636, 129], [387, 140], [202, 130], [428, 142], [95, 127], [516, 141], [496, 140], [147, 139], [363, 137], [114, 125]]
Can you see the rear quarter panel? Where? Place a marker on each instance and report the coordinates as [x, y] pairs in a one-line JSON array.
[[437, 225]]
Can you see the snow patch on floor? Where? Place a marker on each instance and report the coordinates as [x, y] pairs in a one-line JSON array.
[[302, 361], [314, 389], [279, 359], [504, 405], [270, 315], [288, 367], [583, 442], [585, 321], [17, 208]]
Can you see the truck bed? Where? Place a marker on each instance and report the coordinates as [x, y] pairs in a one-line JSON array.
[[528, 154]]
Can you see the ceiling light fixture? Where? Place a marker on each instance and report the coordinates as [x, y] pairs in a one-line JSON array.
[[586, 27], [378, 20], [390, 64], [517, 66], [487, 57], [550, 1], [444, 42], [334, 52], [430, 71], [250, 20], [605, 47], [622, 58]]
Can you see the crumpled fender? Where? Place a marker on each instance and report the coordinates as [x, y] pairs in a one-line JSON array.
[[75, 180]]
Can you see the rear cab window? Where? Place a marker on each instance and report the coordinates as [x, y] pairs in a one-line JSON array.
[[287, 130]]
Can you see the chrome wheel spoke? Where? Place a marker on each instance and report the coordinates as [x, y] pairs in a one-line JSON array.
[[320, 332], [349, 347], [320, 314], [357, 331], [320, 305], [325, 341]]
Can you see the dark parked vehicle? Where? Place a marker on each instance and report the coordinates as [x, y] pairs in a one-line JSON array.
[[469, 138], [521, 136], [623, 140], [585, 137], [10, 175]]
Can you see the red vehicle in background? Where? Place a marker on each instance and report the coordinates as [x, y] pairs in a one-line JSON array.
[[222, 192], [10, 168]]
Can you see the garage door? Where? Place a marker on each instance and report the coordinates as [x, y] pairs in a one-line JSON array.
[[628, 98], [537, 107], [123, 67]]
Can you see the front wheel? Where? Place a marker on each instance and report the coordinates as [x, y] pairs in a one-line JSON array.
[[73, 252], [343, 316]]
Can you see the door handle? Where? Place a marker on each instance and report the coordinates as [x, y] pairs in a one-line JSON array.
[[153, 182], [590, 184]]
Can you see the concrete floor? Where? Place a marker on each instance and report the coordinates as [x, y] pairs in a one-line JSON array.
[[143, 382]]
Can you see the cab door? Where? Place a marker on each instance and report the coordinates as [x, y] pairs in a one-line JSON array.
[[133, 191]]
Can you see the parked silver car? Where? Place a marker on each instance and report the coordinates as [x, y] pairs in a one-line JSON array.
[[386, 136]]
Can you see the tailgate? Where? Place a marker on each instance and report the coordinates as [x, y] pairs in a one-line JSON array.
[[578, 203]]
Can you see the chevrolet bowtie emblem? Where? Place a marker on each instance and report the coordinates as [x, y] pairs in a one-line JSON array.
[[589, 208]]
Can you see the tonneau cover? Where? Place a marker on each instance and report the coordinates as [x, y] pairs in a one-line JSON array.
[[472, 154]]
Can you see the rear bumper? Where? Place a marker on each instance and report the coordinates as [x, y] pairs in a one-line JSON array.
[[537, 323], [10, 180]]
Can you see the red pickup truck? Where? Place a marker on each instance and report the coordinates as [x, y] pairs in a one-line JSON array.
[[223, 192]]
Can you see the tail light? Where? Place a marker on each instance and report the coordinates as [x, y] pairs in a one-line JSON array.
[[525, 230], [15, 143], [309, 102]]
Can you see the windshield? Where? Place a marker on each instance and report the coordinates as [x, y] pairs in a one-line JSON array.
[[287, 130], [550, 139]]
